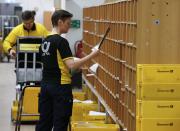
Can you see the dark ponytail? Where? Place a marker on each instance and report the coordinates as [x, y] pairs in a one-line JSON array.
[[33, 13], [27, 15]]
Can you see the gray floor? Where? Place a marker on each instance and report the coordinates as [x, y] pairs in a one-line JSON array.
[[7, 95]]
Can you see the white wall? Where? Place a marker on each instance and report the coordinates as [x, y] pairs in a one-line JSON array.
[[74, 34], [88, 3], [40, 5], [7, 1], [76, 8]]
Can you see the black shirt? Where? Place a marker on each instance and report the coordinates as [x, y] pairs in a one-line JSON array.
[[54, 51]]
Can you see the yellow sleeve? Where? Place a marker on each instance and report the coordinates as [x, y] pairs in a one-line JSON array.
[[10, 40]]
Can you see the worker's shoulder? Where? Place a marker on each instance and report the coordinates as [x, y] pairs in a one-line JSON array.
[[63, 39], [56, 38], [18, 27], [52, 37]]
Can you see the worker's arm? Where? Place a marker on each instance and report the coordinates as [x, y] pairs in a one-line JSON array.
[[76, 64], [66, 55], [10, 41]]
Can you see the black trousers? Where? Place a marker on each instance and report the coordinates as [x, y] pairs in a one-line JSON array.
[[55, 107]]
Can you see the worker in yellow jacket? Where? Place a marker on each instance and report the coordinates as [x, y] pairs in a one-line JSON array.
[[27, 28]]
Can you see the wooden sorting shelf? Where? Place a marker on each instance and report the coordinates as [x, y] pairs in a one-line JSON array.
[[138, 35], [101, 100], [106, 21]]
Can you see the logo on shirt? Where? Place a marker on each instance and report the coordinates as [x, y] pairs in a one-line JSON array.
[[45, 48]]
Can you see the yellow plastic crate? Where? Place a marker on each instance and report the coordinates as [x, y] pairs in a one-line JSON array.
[[84, 88], [85, 126], [158, 92], [14, 110], [30, 102], [166, 124], [89, 94], [79, 96], [30, 105], [158, 73], [94, 117], [101, 122], [80, 108], [158, 109]]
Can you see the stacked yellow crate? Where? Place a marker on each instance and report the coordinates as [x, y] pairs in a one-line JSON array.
[[82, 119], [79, 95], [81, 109], [88, 126], [158, 98], [82, 106]]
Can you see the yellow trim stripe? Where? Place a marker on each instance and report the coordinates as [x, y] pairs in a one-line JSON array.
[[65, 75], [67, 58]]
